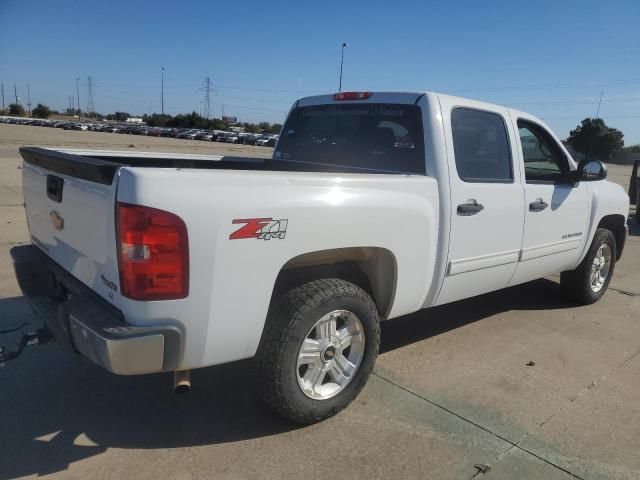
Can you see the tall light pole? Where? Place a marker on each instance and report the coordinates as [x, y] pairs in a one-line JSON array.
[[162, 97], [78, 93], [344, 45]]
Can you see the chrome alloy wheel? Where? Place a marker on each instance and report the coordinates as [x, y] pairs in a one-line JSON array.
[[600, 268], [330, 355]]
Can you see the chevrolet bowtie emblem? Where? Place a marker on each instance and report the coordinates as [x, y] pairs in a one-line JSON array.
[[56, 220]]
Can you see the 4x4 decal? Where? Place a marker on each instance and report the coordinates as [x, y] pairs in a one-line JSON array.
[[260, 228]]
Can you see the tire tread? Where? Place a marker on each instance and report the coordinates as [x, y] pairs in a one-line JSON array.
[[284, 315]]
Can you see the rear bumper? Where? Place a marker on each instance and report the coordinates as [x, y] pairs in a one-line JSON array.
[[87, 324]]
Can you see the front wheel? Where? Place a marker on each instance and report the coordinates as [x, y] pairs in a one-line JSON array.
[[318, 349], [587, 283]]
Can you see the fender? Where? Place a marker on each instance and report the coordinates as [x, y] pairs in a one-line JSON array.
[[606, 199]]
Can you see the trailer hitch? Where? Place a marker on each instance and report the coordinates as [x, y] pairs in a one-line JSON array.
[[39, 337]]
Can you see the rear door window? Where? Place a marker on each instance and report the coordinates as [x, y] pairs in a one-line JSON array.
[[481, 146], [385, 138]]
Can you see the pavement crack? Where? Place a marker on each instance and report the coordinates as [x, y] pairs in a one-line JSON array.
[[485, 429], [625, 292], [589, 387]]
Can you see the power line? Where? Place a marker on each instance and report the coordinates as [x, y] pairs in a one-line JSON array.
[[581, 102], [551, 86]]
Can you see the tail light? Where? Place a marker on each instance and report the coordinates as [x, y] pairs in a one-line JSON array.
[[153, 253], [352, 95]]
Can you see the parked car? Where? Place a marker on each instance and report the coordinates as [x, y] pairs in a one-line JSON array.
[[296, 259], [249, 139], [634, 188], [266, 141], [204, 135], [232, 138]]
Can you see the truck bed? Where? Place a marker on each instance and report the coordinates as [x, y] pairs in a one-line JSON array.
[[101, 165]]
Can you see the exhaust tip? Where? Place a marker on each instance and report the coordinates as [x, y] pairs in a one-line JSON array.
[[181, 381]]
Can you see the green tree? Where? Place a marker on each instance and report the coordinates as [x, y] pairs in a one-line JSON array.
[[595, 140], [119, 116], [16, 110], [41, 111]]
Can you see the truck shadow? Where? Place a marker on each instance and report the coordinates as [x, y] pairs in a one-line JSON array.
[[58, 409], [634, 226], [541, 294]]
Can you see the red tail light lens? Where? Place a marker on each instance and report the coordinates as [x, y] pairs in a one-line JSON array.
[[352, 95], [153, 253]]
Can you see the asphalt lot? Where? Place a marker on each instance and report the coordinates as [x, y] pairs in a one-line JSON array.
[[451, 392]]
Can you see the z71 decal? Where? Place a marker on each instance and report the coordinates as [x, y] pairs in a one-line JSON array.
[[260, 228]]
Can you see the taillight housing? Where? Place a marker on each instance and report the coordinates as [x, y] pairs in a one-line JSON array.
[[352, 95], [153, 253]]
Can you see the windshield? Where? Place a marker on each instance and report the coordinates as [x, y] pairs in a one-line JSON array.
[[383, 137]]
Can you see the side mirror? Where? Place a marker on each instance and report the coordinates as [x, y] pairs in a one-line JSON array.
[[590, 171]]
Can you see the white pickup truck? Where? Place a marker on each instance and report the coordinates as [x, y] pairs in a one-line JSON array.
[[373, 206]]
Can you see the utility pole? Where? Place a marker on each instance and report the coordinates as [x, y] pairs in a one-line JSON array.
[[90, 106], [29, 98], [78, 92], [15, 92], [3, 95], [599, 102], [162, 97], [344, 45]]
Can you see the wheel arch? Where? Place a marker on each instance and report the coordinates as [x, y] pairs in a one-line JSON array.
[[374, 269], [615, 223]]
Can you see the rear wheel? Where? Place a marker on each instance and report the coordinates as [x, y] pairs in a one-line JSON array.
[[587, 283], [318, 349]]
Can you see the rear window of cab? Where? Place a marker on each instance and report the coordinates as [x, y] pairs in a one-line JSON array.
[[377, 137]]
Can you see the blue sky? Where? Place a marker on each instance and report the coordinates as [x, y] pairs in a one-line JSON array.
[[552, 58]]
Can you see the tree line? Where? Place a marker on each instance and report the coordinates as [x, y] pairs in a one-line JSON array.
[[194, 120]]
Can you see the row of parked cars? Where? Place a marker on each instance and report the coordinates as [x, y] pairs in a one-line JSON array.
[[261, 140]]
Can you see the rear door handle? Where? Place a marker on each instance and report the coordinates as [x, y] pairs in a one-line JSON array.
[[538, 205], [470, 208]]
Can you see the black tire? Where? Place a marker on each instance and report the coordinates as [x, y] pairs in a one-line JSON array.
[[576, 284], [291, 317]]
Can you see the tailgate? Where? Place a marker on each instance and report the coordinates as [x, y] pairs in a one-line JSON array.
[[70, 205]]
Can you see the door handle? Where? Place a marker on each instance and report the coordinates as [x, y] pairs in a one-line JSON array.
[[538, 205], [470, 208]]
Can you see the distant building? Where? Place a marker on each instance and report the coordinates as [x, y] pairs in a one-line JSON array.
[[134, 120]]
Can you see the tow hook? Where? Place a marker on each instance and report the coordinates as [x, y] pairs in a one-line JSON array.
[[39, 337]]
